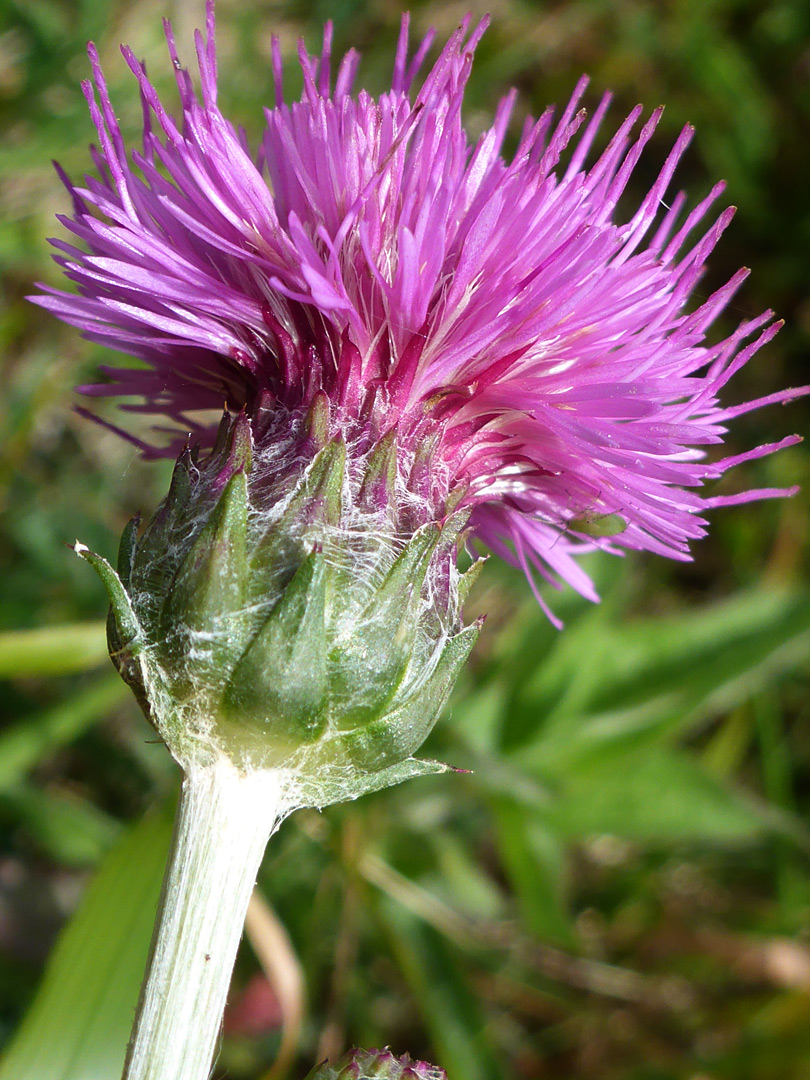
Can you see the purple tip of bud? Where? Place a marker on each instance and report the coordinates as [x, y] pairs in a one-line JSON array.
[[377, 1065]]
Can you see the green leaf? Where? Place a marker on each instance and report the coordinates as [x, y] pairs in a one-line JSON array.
[[69, 829], [653, 679], [471, 887], [79, 1023], [450, 1009], [534, 859], [23, 744], [658, 795], [52, 650]]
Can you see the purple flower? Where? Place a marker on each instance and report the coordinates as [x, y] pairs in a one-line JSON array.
[[535, 347]]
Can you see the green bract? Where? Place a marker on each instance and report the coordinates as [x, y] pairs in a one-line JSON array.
[[274, 612]]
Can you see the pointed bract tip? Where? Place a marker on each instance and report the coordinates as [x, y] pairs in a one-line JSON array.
[[317, 419]]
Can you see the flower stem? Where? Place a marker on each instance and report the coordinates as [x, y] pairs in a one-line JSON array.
[[223, 823]]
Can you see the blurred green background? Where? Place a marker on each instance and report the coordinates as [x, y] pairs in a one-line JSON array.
[[620, 888]]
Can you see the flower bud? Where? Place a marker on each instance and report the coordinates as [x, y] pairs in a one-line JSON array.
[[377, 1065], [276, 611]]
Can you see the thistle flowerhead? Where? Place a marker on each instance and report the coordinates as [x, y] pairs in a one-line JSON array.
[[417, 340]]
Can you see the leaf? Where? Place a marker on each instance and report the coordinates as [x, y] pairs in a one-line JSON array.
[[53, 650], [79, 1023], [656, 678], [533, 857], [658, 795], [70, 829], [469, 885], [23, 744], [450, 1009]]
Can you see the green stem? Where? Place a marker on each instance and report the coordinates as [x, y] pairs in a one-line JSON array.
[[223, 823]]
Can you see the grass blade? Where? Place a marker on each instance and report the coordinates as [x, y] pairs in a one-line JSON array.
[[79, 1023]]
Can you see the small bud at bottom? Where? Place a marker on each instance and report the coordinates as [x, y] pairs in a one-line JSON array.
[[376, 1065]]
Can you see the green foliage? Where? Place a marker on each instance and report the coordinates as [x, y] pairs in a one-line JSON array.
[[619, 888], [79, 1025], [51, 650]]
